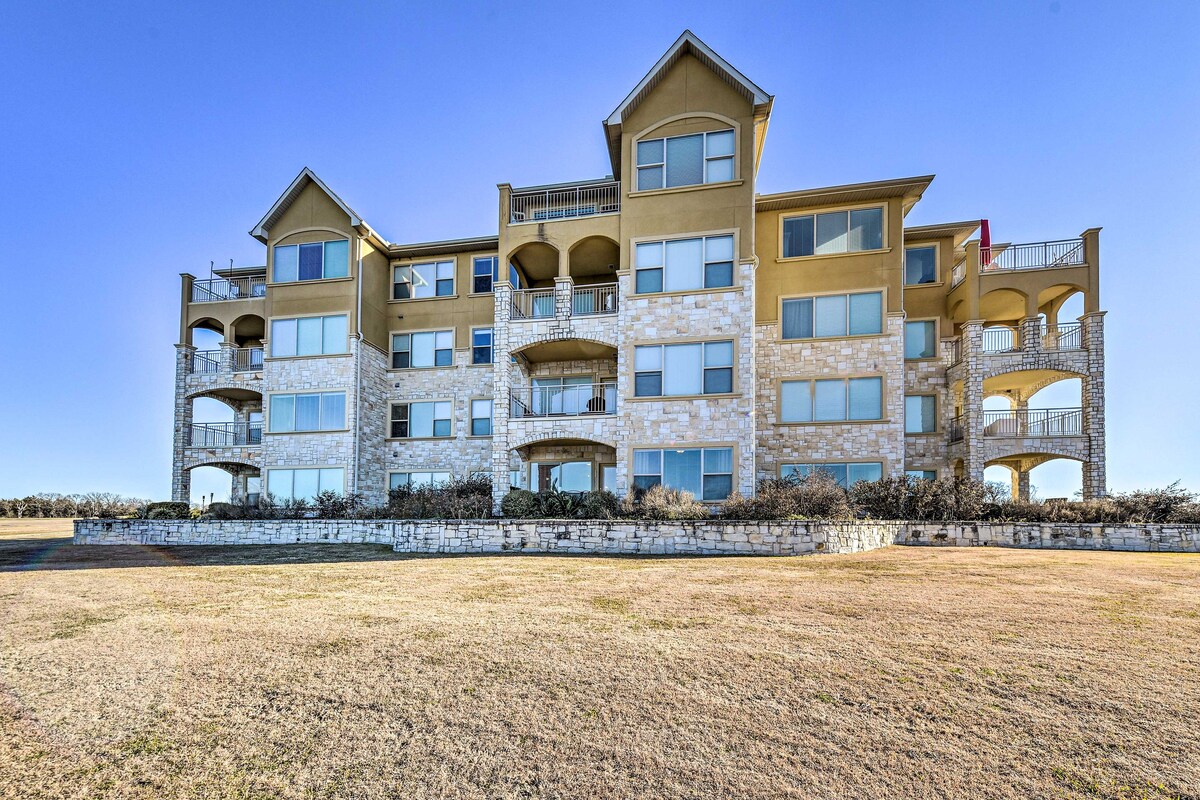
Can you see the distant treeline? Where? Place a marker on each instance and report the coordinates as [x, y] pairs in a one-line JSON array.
[[92, 504]]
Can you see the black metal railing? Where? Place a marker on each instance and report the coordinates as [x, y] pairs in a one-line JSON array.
[[1001, 340], [1064, 336], [1035, 255], [223, 434], [957, 426], [1033, 422], [548, 203], [212, 362], [587, 399], [215, 290]]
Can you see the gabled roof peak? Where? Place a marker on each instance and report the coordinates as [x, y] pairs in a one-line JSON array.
[[306, 176]]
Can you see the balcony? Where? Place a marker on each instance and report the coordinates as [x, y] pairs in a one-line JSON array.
[[211, 362], [578, 400], [217, 290], [564, 201], [589, 300], [1028, 422], [223, 434], [1035, 255]]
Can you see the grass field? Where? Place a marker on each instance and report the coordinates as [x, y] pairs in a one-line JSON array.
[[352, 671]]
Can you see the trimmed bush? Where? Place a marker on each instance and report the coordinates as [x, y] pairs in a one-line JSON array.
[[597, 505], [168, 510], [660, 503], [519, 504], [459, 498], [817, 495]]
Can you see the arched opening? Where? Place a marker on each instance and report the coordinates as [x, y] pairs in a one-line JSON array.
[[1038, 476], [536, 264], [229, 417], [205, 334], [594, 260], [248, 330], [225, 483], [1002, 306], [570, 465], [565, 378]]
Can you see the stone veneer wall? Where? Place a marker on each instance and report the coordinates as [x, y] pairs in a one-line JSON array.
[[784, 443], [627, 537]]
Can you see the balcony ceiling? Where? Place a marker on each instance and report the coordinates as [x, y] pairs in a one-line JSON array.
[[568, 350]]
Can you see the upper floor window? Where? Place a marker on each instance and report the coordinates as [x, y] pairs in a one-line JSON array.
[[683, 369], [308, 336], [315, 411], [481, 417], [833, 315], [684, 264], [833, 232], [425, 349], [832, 400], [481, 345], [920, 265], [418, 281], [920, 339], [846, 473], [920, 413], [685, 160], [705, 472], [311, 262], [427, 420], [484, 272]]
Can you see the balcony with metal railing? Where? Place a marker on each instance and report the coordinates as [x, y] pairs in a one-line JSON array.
[[564, 201], [1033, 422], [1032, 255], [216, 362], [219, 290], [572, 400], [587, 300], [223, 434]]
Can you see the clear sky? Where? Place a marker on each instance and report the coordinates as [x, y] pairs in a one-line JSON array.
[[142, 140]]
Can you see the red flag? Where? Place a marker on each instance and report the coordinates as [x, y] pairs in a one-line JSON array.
[[985, 244]]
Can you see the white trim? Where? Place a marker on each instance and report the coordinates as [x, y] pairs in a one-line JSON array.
[[289, 196]]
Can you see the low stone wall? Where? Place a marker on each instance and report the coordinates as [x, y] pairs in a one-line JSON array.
[[618, 537]]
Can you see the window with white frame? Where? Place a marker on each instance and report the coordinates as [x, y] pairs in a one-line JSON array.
[[425, 420], [424, 349], [418, 281], [685, 160], [415, 480], [846, 473], [920, 265], [922, 474], [920, 413], [679, 265], [481, 417], [831, 400], [305, 484], [484, 272], [309, 336], [481, 345], [833, 315], [920, 339], [706, 472], [832, 232], [683, 369], [311, 411], [311, 262]]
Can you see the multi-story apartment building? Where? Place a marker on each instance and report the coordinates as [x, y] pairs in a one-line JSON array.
[[665, 323]]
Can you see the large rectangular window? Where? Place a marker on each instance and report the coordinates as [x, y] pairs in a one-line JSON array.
[[705, 472], [310, 262], [418, 281], [313, 411], [481, 345], [832, 400], [305, 484], [680, 265], [424, 349], [920, 265], [920, 339], [685, 160], [920, 413], [847, 473], [481, 417], [417, 479], [484, 272], [427, 420], [833, 232], [833, 315], [308, 336], [683, 369]]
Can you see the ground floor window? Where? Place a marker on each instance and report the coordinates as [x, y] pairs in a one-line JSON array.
[[305, 484], [567, 476], [922, 474], [253, 490], [416, 479], [847, 473], [706, 472]]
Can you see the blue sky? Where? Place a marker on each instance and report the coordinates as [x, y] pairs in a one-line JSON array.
[[141, 140]]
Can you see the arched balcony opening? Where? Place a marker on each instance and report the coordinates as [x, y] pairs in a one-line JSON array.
[[225, 483], [570, 465], [1037, 476]]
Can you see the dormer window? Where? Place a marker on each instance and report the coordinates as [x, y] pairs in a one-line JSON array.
[[312, 262], [685, 160]]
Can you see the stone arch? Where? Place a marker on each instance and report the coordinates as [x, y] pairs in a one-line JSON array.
[[526, 342], [537, 261], [231, 464], [594, 259], [247, 330], [542, 438], [232, 393], [1003, 304], [207, 324]]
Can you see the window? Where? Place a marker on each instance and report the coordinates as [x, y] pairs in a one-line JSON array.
[[835, 400], [685, 160], [317, 411], [845, 473], [310, 262], [684, 264], [683, 369], [485, 270], [416, 479], [833, 315], [833, 232], [922, 474], [308, 336], [920, 413], [481, 417], [705, 472], [920, 339], [428, 420], [425, 349], [481, 345], [418, 281], [920, 265], [569, 476], [304, 484]]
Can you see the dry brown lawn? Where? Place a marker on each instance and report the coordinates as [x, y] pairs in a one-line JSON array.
[[351, 671]]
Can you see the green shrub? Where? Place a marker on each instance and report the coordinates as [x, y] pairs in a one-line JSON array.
[[597, 505], [168, 510], [519, 504], [661, 503], [224, 511]]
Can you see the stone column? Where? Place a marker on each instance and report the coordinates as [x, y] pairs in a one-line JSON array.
[[973, 375], [1021, 484], [181, 478], [1030, 334], [228, 357], [502, 367], [564, 296], [1095, 477]]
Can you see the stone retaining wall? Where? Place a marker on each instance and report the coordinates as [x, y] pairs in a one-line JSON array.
[[646, 538]]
